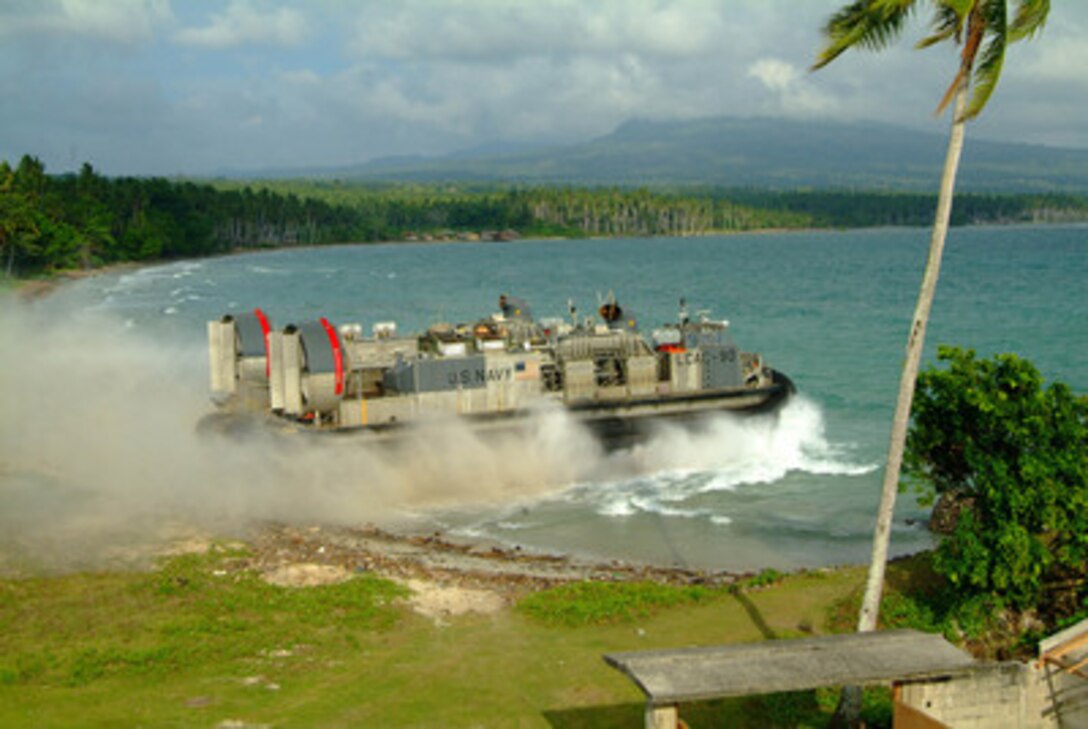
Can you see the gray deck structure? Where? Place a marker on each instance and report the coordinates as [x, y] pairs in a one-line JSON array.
[[671, 677]]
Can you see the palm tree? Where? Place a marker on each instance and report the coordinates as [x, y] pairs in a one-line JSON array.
[[982, 30], [18, 221]]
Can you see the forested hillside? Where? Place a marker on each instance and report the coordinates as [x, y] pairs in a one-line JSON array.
[[80, 221], [765, 153]]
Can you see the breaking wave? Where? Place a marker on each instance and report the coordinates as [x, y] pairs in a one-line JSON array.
[[726, 453]]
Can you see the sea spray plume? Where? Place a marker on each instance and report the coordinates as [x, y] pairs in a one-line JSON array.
[[99, 449], [82, 409], [670, 472], [725, 495], [748, 449], [442, 462]]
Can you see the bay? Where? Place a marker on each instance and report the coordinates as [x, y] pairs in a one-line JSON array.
[[831, 309]]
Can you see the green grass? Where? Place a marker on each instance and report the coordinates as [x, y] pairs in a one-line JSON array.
[[203, 640], [601, 603], [78, 630]]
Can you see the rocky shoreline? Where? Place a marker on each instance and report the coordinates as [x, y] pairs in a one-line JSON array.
[[437, 558], [445, 577]]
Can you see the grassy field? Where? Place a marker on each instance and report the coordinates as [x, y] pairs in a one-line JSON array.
[[205, 642]]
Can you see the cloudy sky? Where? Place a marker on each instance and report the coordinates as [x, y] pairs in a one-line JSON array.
[[167, 87]]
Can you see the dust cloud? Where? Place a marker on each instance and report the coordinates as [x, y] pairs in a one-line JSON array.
[[102, 461], [100, 454]]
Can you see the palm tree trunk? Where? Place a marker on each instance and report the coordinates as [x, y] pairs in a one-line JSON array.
[[870, 605], [849, 709]]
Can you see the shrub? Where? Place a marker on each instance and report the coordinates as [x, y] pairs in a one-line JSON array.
[[1014, 454]]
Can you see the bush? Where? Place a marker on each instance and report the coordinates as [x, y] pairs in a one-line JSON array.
[[987, 434]]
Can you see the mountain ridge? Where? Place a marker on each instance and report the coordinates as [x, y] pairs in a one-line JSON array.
[[752, 152]]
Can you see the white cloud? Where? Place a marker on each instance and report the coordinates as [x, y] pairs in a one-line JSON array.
[[559, 69], [117, 21], [303, 77], [774, 73], [244, 23], [1062, 59], [140, 86], [434, 29], [791, 88]]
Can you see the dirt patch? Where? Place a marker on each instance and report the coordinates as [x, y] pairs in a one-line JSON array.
[[306, 575], [436, 601]]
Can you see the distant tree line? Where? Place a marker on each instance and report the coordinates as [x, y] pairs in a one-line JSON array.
[[86, 220], [860, 209]]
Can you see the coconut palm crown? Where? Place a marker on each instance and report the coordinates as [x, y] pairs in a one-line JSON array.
[[980, 26]]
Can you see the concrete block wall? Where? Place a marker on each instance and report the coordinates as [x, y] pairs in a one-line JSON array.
[[1003, 696]]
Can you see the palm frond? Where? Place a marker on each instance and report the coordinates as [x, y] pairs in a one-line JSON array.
[[976, 31], [962, 8], [991, 59], [947, 23], [1030, 18], [869, 24], [980, 25], [950, 92]]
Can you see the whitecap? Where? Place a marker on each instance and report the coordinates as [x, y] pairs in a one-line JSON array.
[[469, 532], [838, 468], [680, 513], [720, 482], [513, 526], [619, 507]]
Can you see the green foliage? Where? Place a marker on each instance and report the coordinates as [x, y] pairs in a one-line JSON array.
[[988, 435], [600, 603], [899, 611], [765, 578], [981, 26], [926, 612], [50, 223], [815, 708], [917, 597]]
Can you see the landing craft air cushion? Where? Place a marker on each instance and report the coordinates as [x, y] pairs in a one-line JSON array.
[[316, 376]]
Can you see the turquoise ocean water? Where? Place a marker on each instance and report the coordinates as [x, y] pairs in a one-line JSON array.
[[117, 363]]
